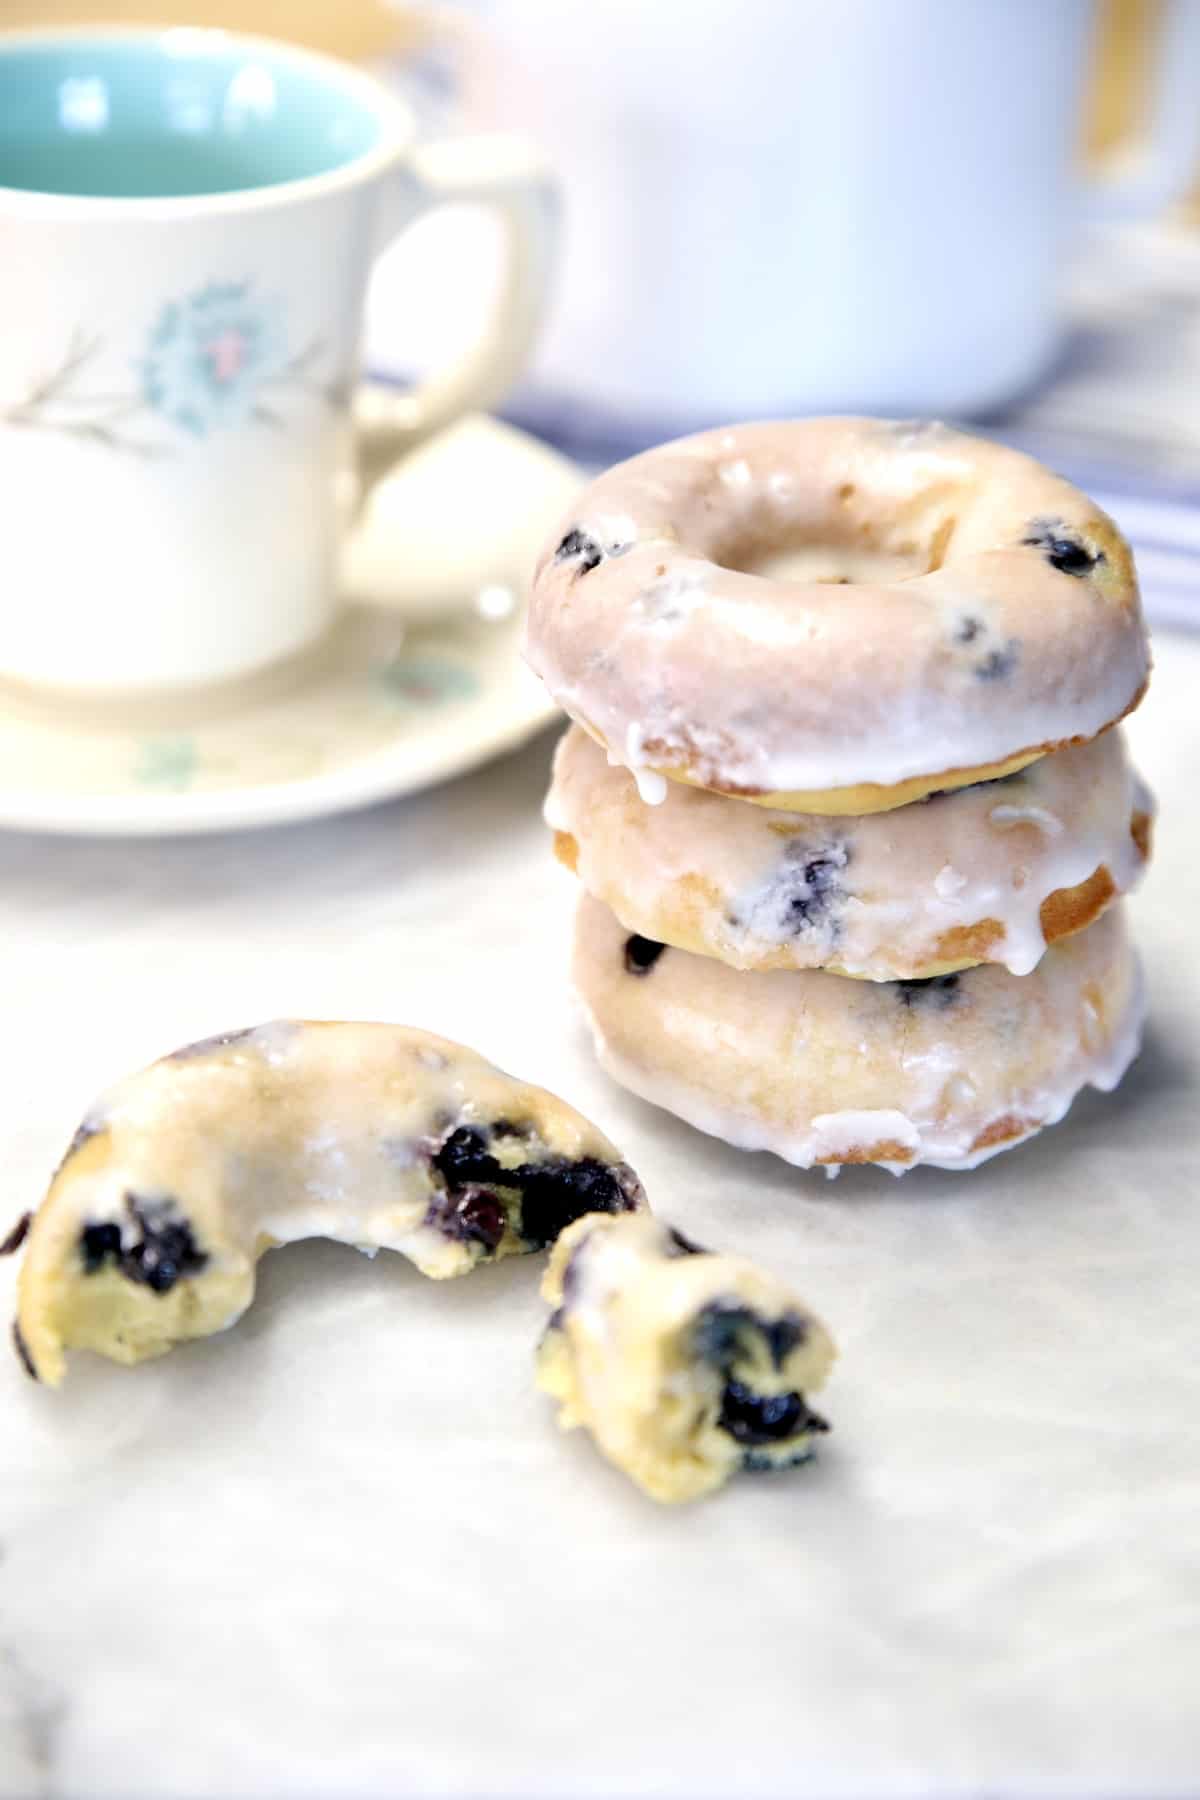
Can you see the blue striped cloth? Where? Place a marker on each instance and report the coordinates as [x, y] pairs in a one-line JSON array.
[[1149, 488], [1165, 534]]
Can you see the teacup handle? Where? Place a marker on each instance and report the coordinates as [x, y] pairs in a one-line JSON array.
[[1158, 166], [505, 173]]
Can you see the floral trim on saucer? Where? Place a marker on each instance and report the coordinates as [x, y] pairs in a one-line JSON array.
[[180, 763], [417, 681], [387, 703], [168, 763], [213, 359]]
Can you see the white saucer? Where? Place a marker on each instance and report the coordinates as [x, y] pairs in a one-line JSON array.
[[404, 693]]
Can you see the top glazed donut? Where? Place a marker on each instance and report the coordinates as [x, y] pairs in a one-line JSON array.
[[836, 615]]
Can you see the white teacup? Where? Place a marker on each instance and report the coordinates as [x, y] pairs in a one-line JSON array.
[[189, 221]]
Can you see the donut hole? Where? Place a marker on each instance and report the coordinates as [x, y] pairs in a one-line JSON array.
[[831, 564], [829, 556], [852, 542]]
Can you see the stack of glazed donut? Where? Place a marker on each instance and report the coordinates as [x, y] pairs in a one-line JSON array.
[[843, 789]]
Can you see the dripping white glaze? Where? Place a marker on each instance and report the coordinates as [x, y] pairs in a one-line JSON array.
[[873, 896], [771, 686], [651, 787], [948, 883], [1038, 816]]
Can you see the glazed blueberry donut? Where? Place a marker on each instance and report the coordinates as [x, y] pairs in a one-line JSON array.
[[683, 1365], [374, 1135], [826, 1071], [836, 615], [989, 873]]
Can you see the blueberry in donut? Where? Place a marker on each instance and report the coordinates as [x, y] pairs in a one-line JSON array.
[[937, 991], [756, 1419], [684, 1364], [1062, 549], [806, 891], [540, 1199], [155, 1246], [586, 551], [720, 1330], [578, 547], [997, 665], [641, 954]]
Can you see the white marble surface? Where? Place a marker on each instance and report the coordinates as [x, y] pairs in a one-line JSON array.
[[341, 1551]]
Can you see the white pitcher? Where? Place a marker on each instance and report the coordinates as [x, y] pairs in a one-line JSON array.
[[779, 206]]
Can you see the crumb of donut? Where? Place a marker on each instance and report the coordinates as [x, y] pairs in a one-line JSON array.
[[1141, 829], [685, 1365]]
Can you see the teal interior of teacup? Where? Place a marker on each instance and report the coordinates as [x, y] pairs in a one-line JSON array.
[[171, 113]]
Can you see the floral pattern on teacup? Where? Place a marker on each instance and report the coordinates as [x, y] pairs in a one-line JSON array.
[[217, 357], [212, 356]]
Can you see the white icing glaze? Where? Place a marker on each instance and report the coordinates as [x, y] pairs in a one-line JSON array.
[[293, 1130], [1039, 816], [979, 651], [812, 1067], [651, 787], [948, 883], [834, 1136], [875, 895]]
